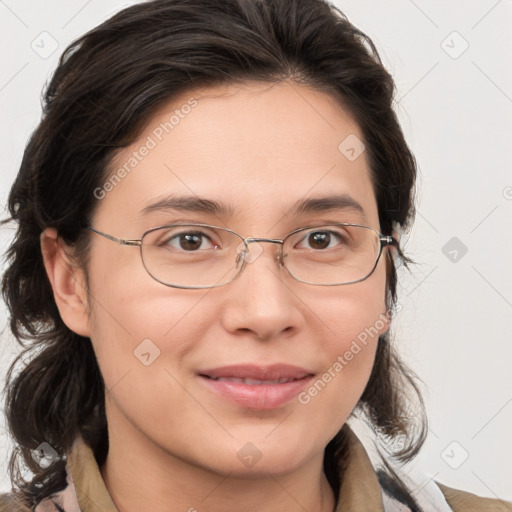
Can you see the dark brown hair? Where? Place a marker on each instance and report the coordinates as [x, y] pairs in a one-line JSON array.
[[107, 86]]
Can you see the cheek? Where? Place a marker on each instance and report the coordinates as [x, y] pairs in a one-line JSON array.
[[354, 319], [333, 394], [352, 350], [139, 326], [140, 340], [355, 313]]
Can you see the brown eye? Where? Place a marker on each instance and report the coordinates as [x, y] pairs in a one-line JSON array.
[[190, 241], [319, 240]]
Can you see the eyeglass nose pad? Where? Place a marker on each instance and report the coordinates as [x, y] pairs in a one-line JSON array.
[[246, 254], [241, 254], [280, 258]]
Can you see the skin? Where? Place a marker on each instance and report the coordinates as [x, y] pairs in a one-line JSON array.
[[259, 148]]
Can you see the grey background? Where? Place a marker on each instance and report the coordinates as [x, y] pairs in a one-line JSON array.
[[454, 104]]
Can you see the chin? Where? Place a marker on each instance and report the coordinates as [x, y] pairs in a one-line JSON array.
[[278, 457]]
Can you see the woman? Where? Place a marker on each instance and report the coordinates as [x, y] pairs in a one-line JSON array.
[[205, 268]]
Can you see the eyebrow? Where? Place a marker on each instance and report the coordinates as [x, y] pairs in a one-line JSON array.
[[326, 204], [190, 204], [335, 202]]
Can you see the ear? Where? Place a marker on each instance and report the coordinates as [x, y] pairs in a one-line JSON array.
[[67, 281]]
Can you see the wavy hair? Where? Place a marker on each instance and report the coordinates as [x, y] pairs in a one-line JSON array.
[[106, 88]]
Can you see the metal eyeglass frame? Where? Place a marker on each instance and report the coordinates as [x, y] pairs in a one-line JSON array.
[[384, 240]]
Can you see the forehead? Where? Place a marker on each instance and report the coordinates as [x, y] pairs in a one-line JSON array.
[[258, 149]]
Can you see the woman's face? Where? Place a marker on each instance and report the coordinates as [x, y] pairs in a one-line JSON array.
[[258, 151]]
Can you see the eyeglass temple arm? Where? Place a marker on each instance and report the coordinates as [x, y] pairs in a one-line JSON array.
[[119, 241], [391, 241], [387, 241]]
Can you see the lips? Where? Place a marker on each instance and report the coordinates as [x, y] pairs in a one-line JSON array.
[[255, 382], [272, 374], [257, 387]]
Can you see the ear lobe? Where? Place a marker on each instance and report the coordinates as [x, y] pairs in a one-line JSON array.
[[67, 281]]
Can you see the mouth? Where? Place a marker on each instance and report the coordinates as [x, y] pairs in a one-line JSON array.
[[257, 387], [254, 382]]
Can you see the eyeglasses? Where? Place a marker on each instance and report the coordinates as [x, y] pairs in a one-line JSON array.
[[205, 256]]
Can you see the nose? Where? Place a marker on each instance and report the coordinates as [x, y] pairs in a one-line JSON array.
[[262, 299]]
